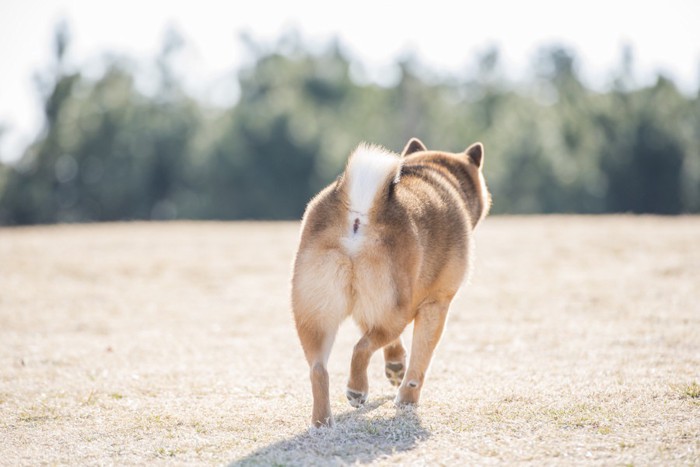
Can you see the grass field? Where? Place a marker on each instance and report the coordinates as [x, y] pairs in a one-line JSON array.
[[577, 342]]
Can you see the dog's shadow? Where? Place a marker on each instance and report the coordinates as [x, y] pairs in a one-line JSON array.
[[356, 438]]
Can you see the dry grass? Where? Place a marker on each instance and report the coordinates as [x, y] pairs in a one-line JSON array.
[[578, 342]]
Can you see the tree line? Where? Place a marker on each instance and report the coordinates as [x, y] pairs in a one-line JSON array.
[[110, 151]]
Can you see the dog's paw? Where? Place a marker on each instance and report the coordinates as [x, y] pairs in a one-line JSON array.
[[400, 402], [408, 394], [326, 422], [357, 399], [395, 372]]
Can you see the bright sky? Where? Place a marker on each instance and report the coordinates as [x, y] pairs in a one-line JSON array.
[[445, 36]]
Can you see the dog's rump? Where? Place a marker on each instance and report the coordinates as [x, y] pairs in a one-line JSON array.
[[343, 266]]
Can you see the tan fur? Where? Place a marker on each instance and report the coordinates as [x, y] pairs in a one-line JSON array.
[[414, 255]]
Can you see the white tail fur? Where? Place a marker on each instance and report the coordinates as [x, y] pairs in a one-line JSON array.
[[369, 167]]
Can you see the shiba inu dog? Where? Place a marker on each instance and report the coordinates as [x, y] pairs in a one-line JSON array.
[[388, 243]]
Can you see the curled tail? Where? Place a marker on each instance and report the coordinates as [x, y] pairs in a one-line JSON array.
[[369, 171]]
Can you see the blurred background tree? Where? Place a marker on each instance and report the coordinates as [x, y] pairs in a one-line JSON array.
[[109, 151]]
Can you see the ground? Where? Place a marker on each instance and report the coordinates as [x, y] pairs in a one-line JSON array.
[[576, 342]]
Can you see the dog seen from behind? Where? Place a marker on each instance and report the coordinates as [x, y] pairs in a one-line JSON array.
[[388, 243]]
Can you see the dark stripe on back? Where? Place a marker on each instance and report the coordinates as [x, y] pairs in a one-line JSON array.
[[427, 172]]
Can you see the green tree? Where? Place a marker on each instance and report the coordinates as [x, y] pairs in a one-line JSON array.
[[107, 151], [643, 154]]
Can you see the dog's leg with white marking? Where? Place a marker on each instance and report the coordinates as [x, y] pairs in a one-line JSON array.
[[428, 326], [372, 341], [395, 361]]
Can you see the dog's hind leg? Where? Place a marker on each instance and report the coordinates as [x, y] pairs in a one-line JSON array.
[[317, 342], [428, 326], [395, 361], [372, 341], [319, 306]]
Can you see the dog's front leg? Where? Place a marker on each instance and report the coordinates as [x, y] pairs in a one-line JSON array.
[[428, 326]]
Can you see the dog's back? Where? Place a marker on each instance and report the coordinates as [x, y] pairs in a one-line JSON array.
[[390, 235]]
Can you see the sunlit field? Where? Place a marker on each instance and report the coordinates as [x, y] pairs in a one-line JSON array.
[[576, 342]]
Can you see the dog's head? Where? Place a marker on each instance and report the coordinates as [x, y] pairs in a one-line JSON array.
[[466, 167]]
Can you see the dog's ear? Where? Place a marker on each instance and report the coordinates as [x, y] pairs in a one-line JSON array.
[[476, 154], [413, 145]]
